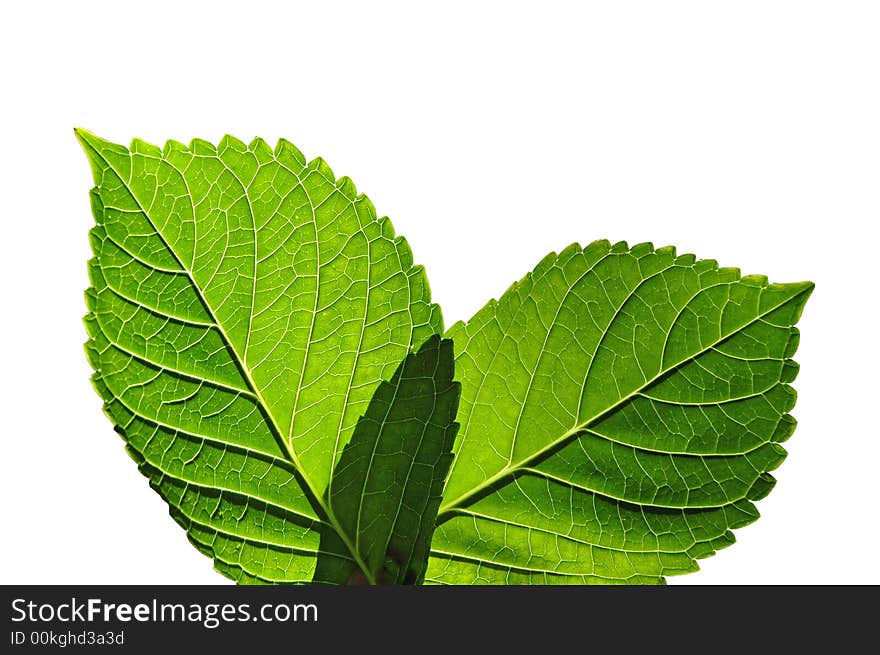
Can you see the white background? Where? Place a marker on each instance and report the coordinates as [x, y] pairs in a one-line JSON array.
[[491, 134]]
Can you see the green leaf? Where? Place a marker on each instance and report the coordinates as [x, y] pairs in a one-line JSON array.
[[620, 410], [386, 489], [244, 307]]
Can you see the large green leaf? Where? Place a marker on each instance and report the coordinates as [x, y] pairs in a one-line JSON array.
[[386, 489], [620, 410], [244, 307]]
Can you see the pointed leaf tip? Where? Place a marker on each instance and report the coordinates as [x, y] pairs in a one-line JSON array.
[[87, 138]]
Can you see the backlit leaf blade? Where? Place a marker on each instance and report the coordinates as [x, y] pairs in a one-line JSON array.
[[386, 489], [244, 307], [621, 409]]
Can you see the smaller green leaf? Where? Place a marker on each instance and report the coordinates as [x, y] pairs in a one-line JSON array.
[[386, 489]]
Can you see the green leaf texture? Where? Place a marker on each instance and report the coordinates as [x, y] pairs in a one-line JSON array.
[[620, 410], [386, 489], [244, 307]]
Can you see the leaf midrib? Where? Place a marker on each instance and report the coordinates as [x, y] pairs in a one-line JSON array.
[[270, 420], [446, 509]]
